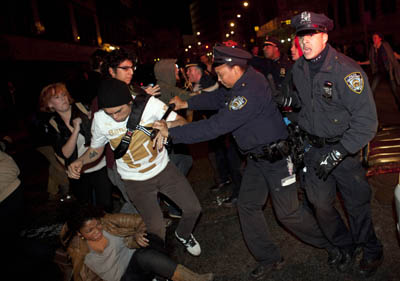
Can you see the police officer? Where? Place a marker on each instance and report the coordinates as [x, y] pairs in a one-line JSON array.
[[247, 110], [338, 115], [278, 64]]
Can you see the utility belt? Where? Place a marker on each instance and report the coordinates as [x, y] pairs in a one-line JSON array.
[[320, 142], [273, 152]]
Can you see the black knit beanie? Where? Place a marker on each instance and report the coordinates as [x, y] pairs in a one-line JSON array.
[[112, 93]]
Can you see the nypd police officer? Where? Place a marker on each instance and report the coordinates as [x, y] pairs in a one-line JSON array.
[[339, 117], [246, 108]]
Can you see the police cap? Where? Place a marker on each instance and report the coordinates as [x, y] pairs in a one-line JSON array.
[[197, 64], [311, 22], [230, 56], [269, 40]]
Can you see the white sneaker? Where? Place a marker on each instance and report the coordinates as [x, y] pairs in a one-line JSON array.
[[191, 245]]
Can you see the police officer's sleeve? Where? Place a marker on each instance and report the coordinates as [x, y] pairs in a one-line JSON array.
[[358, 101], [208, 100], [242, 109]]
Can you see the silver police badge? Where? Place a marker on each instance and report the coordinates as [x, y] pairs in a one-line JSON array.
[[305, 18], [355, 82], [237, 103]]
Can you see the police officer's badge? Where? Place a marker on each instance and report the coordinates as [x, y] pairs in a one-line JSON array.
[[237, 103], [355, 82], [283, 72], [305, 18]]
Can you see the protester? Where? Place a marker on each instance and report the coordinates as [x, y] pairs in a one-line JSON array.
[[144, 170], [384, 65], [116, 247], [69, 130]]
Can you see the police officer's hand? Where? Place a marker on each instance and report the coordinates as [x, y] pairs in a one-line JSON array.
[[329, 161], [179, 104]]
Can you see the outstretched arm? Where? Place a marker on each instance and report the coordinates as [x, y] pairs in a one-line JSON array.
[[91, 155]]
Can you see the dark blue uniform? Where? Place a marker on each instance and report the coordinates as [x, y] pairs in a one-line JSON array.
[[248, 111], [338, 105], [338, 110]]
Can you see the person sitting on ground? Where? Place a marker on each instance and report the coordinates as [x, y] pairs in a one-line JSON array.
[[116, 247]]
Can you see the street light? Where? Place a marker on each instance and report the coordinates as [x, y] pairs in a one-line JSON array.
[[238, 16], [232, 24], [198, 33], [245, 4], [199, 43], [232, 32], [227, 35]]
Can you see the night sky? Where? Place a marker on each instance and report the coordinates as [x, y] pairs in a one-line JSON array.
[[170, 14]]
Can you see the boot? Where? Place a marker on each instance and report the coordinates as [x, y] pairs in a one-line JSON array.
[[184, 274]]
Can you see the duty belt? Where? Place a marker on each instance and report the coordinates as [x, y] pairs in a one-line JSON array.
[[273, 152], [320, 142]]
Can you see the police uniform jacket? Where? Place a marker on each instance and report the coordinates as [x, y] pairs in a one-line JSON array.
[[247, 110], [337, 102]]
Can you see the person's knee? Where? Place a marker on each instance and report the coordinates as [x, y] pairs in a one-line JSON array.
[[192, 210]]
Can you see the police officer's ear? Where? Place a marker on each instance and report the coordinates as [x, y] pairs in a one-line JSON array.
[[238, 70], [112, 72], [325, 37]]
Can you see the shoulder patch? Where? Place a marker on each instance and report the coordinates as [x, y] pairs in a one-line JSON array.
[[355, 82], [237, 103]]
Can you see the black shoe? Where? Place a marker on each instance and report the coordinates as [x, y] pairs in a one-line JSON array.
[[230, 202], [262, 270], [368, 267], [218, 186], [334, 256], [347, 260]]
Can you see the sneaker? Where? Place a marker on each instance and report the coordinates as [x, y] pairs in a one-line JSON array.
[[217, 187], [263, 269], [191, 244], [230, 202]]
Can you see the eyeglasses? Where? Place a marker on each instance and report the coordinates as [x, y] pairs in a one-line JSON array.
[[126, 68]]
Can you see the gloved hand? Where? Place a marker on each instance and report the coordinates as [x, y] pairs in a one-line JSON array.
[[329, 161]]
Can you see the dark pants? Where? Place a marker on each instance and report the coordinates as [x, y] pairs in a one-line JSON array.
[[175, 186], [349, 177], [378, 77], [97, 182], [261, 179], [150, 261], [228, 161]]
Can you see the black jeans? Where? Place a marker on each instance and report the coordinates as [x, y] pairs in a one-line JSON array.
[[148, 262]]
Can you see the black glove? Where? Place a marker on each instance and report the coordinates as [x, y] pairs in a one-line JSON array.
[[329, 161]]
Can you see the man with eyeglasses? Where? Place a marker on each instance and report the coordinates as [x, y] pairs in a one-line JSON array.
[[338, 117]]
